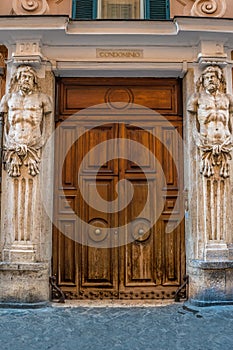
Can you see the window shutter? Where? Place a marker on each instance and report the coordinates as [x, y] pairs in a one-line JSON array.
[[157, 9], [83, 9]]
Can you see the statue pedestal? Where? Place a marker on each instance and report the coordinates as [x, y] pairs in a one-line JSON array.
[[230, 249], [216, 252], [211, 274], [25, 268], [24, 282], [20, 252], [210, 283]]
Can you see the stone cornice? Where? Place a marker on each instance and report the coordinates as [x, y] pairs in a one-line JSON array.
[[134, 69], [71, 46], [33, 22], [117, 26], [207, 24], [113, 28], [138, 27]]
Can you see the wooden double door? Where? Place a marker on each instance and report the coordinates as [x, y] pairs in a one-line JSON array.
[[116, 189]]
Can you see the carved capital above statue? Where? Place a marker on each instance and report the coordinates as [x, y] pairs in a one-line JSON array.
[[30, 7], [26, 111], [211, 110], [209, 8]]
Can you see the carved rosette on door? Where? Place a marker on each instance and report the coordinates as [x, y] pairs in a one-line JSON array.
[[141, 230]]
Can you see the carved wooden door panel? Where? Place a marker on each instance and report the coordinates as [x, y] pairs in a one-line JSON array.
[[83, 267], [124, 252], [98, 271], [151, 265]]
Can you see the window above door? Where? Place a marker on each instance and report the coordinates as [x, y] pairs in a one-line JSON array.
[[120, 9]]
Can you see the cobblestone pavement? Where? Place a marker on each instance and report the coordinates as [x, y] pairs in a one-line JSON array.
[[119, 328]]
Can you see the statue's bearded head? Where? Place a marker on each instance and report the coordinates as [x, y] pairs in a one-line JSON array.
[[24, 80], [212, 80]]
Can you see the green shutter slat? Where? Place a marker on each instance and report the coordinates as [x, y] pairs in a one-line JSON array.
[[158, 9], [83, 9]]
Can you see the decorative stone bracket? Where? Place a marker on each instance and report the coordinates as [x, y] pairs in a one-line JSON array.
[[28, 52], [30, 7], [209, 8]]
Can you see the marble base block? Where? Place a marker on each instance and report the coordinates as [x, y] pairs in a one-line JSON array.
[[210, 283], [24, 282], [216, 252], [20, 253]]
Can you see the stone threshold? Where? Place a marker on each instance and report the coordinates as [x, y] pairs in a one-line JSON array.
[[114, 303]]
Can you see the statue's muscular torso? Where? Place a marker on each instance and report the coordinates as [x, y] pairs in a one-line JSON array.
[[24, 117], [213, 116]]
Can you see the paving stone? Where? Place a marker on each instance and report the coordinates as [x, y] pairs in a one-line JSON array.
[[119, 328]]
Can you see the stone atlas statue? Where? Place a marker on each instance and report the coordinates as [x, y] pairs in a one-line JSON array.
[[25, 111], [211, 109]]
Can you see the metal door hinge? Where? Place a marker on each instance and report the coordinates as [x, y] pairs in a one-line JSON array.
[[181, 291], [52, 281]]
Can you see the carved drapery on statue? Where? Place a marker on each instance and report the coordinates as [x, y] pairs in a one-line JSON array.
[[25, 110], [30, 7], [211, 109], [209, 8]]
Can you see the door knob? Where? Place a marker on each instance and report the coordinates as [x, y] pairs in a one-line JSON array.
[[140, 232]]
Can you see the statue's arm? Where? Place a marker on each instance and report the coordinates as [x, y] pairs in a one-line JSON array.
[[47, 115], [192, 105], [192, 109], [4, 112], [230, 97], [2, 118]]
